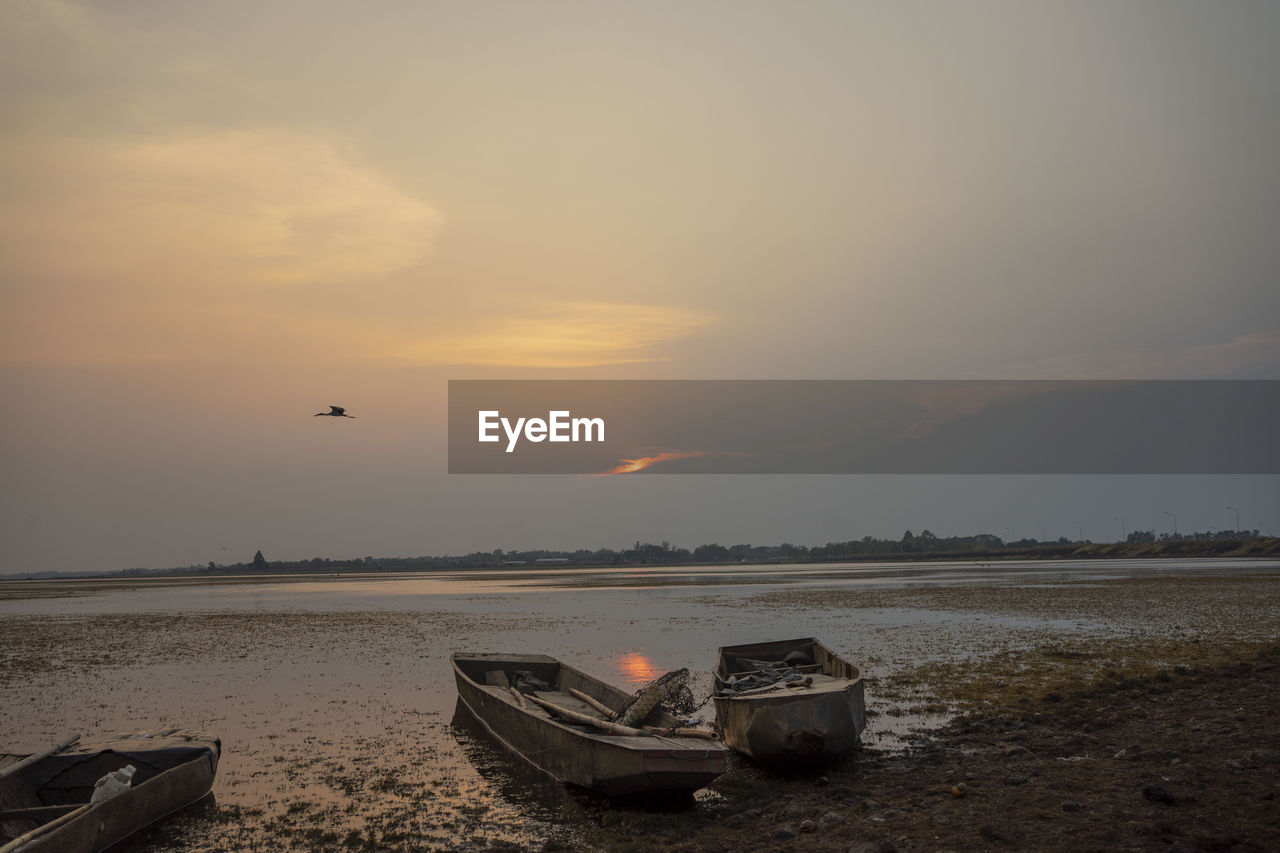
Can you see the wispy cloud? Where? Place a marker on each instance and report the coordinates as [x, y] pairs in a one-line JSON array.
[[263, 206], [1255, 355]]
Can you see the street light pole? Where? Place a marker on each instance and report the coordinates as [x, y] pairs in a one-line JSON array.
[[1124, 535], [1079, 527], [1175, 522], [1237, 512]]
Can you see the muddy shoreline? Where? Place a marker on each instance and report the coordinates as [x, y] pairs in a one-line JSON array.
[[1184, 760], [341, 732]]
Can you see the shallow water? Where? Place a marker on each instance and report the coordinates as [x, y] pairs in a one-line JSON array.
[[335, 700]]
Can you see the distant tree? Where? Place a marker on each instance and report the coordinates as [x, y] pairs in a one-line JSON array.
[[259, 561], [710, 553]]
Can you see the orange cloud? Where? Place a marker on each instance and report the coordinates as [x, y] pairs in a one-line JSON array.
[[555, 334], [206, 210], [631, 466]]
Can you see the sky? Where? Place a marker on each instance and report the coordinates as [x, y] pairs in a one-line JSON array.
[[219, 219]]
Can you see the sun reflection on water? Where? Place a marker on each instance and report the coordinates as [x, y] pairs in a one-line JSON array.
[[637, 668]]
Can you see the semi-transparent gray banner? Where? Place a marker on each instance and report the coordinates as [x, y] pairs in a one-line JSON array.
[[863, 427]]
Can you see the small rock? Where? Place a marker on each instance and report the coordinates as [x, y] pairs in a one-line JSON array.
[[990, 833], [1015, 780], [870, 805], [885, 846], [784, 833], [959, 790], [1235, 765], [822, 780], [1071, 806], [1129, 752], [806, 826]]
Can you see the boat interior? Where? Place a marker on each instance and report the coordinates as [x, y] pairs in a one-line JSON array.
[[767, 667], [57, 784], [544, 678]]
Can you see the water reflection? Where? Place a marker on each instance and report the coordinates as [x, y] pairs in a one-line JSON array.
[[540, 796], [637, 669]]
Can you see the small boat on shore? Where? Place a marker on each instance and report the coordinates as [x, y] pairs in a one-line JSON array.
[[81, 797], [788, 702], [559, 719]]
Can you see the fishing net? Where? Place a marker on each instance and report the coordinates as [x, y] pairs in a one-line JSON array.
[[670, 690], [762, 674]]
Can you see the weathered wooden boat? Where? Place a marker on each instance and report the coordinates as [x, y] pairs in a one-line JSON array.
[[548, 728], [46, 799], [788, 702]]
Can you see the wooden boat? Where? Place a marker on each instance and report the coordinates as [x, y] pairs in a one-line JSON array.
[[45, 798], [788, 701], [569, 750]]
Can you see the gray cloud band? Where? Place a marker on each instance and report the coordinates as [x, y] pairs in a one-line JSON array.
[[608, 427]]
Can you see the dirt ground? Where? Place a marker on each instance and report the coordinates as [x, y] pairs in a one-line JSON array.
[[1182, 760]]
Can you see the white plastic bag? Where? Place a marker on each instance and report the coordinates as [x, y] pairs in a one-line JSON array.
[[113, 784]]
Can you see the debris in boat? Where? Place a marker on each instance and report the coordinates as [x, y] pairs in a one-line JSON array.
[[526, 682], [113, 784], [670, 690], [766, 674]]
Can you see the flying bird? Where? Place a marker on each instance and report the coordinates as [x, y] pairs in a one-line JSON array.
[[335, 412]]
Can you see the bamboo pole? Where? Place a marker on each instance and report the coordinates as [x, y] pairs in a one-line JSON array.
[[23, 840], [595, 703], [32, 759], [682, 732], [615, 728], [519, 696], [38, 812]]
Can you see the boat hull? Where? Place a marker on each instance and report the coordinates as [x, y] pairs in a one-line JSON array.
[[802, 725], [616, 765], [174, 770]]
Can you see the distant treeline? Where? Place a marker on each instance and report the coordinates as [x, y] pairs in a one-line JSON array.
[[925, 545]]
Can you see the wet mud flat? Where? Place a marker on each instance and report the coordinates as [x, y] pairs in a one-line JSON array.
[[1125, 713], [1178, 761]]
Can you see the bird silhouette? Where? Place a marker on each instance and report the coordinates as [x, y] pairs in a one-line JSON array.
[[335, 412]]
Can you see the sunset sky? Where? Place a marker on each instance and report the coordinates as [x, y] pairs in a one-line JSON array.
[[217, 219]]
